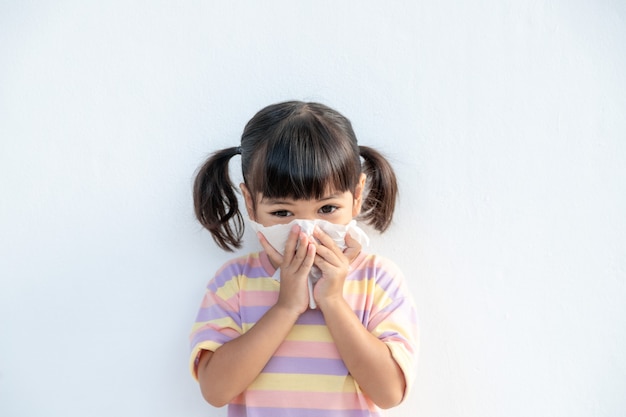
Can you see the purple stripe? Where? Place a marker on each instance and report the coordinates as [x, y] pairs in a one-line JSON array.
[[312, 317], [237, 410], [210, 335], [235, 270], [249, 266], [385, 274], [400, 307], [395, 336], [252, 314], [308, 366], [386, 281], [215, 312]]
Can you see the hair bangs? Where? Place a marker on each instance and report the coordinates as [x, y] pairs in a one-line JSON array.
[[304, 160]]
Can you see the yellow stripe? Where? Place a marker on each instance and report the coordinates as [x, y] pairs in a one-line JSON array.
[[259, 284], [356, 288], [229, 289], [241, 282], [309, 333], [300, 382], [218, 323]]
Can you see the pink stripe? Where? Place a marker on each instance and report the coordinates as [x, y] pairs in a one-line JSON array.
[[258, 298], [308, 350], [265, 262], [360, 300], [206, 302], [209, 301]]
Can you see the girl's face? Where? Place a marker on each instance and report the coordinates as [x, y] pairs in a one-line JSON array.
[[334, 207]]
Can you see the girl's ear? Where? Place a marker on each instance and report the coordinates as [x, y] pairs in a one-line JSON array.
[[358, 195], [247, 196]]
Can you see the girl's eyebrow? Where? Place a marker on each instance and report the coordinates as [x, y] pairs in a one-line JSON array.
[[275, 201], [329, 197], [291, 202]]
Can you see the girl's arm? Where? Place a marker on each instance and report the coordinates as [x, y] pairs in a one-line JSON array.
[[229, 370], [367, 358]]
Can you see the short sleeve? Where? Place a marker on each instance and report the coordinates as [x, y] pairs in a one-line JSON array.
[[394, 318], [218, 320]]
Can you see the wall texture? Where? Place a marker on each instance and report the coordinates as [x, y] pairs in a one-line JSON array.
[[505, 121]]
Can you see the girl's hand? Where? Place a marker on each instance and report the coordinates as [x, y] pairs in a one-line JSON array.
[[295, 266], [334, 264]]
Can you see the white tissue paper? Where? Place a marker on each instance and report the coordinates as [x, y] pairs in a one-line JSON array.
[[277, 237]]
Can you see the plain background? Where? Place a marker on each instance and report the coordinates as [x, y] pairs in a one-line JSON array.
[[505, 121]]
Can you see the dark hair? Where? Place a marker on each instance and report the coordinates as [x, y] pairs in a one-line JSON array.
[[293, 150]]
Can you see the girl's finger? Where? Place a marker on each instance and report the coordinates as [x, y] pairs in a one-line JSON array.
[[353, 247], [292, 242], [273, 254], [326, 247], [309, 259], [301, 250]]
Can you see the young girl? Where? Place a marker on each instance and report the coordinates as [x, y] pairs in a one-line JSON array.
[[257, 345]]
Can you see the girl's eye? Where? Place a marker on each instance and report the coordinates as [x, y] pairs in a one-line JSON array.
[[328, 209], [281, 213]]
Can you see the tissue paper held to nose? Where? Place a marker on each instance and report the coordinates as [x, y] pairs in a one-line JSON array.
[[277, 237]]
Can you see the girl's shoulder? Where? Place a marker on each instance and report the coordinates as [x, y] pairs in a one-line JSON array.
[[379, 272], [372, 262], [250, 265], [378, 268]]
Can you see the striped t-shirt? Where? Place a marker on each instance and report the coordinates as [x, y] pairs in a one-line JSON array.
[[306, 376]]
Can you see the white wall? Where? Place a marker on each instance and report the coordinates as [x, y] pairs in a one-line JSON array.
[[505, 121]]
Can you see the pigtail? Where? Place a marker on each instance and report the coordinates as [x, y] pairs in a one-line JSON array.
[[215, 200], [381, 189]]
